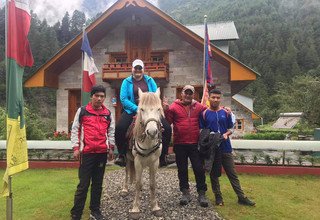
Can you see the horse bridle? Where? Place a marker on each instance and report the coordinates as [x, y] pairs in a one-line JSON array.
[[140, 151]]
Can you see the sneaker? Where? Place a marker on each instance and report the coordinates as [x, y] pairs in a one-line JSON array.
[[219, 200], [162, 163], [202, 199], [96, 215], [120, 161], [186, 197], [75, 217], [246, 201]]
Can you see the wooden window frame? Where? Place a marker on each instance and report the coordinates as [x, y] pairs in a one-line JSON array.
[[236, 125]]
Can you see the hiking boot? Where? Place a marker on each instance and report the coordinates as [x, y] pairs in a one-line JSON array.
[[246, 201], [96, 215], [75, 217], [202, 199], [219, 200], [186, 197], [120, 161]]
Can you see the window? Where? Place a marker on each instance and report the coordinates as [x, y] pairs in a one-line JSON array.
[[118, 57], [239, 125]]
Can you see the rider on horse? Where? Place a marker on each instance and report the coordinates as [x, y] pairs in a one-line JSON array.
[[129, 100]]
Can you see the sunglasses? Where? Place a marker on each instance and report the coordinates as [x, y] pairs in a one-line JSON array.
[[138, 68]]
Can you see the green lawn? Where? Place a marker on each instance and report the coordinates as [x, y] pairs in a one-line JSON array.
[[48, 194], [276, 197]]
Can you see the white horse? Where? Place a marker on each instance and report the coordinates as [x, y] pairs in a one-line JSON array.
[[146, 150]]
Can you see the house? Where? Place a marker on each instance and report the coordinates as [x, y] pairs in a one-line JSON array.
[[130, 29]]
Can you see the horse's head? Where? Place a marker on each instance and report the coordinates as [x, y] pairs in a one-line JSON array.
[[149, 114]]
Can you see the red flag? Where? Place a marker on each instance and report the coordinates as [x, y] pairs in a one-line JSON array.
[[18, 29], [207, 67], [18, 56]]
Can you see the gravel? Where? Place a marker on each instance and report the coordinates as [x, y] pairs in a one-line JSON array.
[[116, 206]]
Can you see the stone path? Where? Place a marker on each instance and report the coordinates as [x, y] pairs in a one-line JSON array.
[[116, 206]]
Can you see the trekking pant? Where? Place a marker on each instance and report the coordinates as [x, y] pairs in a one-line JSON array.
[[92, 167], [183, 152], [123, 125], [228, 166]]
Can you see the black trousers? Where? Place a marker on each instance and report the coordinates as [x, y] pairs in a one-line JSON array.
[[183, 152], [228, 166], [92, 169], [123, 125]]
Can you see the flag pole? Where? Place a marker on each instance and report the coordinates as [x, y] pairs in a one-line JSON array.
[[204, 52], [9, 200], [82, 65]]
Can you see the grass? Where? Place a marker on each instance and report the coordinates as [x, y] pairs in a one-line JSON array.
[[48, 194], [276, 197], [43, 194]]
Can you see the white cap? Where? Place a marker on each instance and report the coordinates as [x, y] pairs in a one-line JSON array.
[[137, 62]]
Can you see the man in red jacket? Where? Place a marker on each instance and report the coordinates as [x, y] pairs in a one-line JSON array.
[[184, 115], [92, 138]]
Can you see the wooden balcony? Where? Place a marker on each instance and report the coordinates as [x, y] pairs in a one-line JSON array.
[[119, 71]]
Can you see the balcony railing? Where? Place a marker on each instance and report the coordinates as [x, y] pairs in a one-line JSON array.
[[119, 71]]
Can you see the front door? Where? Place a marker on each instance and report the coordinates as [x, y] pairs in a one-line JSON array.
[[138, 43], [74, 104]]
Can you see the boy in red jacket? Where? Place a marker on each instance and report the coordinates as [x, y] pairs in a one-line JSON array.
[[92, 138]]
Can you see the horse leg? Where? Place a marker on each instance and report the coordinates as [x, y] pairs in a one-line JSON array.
[[124, 190], [135, 211], [156, 210], [132, 173]]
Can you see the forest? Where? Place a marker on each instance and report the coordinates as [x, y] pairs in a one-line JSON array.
[[279, 39]]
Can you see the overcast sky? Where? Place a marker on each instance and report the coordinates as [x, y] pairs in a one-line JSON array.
[[54, 10]]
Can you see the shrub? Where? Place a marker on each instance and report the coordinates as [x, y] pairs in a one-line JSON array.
[[34, 125], [255, 158], [242, 159], [276, 160], [266, 136], [267, 159]]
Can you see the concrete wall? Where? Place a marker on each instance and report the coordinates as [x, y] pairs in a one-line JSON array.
[[185, 67]]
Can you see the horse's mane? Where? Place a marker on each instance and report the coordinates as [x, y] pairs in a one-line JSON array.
[[147, 100]]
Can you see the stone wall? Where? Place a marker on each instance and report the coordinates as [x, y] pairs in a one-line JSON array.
[[242, 113]]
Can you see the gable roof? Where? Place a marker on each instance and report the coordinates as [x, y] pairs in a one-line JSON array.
[[224, 30], [246, 103], [46, 75]]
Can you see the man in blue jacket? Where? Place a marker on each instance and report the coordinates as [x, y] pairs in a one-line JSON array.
[[218, 119], [129, 100]]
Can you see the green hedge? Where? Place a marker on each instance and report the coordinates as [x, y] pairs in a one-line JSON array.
[[35, 127], [266, 136]]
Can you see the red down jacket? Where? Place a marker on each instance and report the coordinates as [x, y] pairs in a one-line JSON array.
[[185, 123]]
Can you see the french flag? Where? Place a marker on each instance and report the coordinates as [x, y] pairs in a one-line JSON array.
[[89, 68]]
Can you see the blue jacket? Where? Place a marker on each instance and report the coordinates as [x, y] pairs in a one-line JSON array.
[[218, 121], [127, 95]]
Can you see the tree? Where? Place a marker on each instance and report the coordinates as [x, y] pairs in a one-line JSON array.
[[65, 29], [302, 95], [76, 23]]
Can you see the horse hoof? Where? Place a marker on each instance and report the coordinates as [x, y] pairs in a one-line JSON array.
[[157, 213], [134, 215], [123, 192]]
